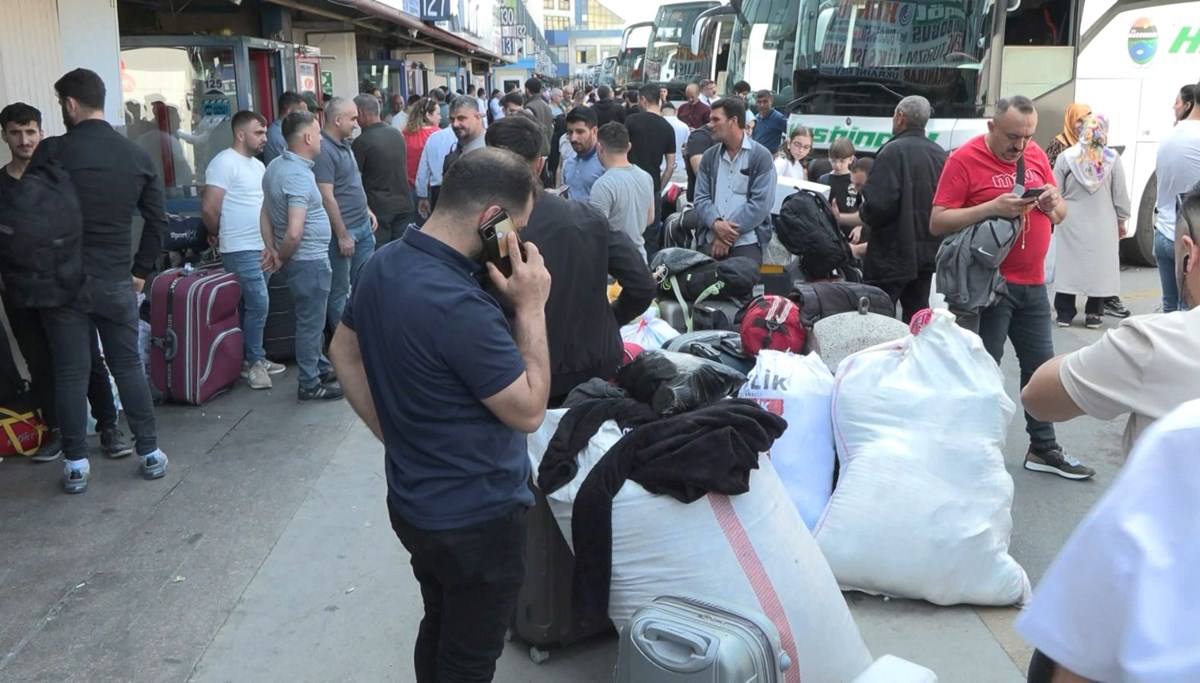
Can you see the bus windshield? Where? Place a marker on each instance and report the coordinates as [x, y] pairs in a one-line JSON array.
[[668, 56], [859, 57]]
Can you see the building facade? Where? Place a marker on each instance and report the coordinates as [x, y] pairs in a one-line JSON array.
[[581, 34]]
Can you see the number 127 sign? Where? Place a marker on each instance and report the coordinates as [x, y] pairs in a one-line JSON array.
[[435, 10]]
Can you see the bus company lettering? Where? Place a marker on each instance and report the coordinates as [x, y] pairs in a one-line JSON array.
[[1187, 42], [864, 140]]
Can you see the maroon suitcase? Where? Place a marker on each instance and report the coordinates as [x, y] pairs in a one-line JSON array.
[[195, 338]]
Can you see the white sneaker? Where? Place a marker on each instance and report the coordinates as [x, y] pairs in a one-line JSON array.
[[275, 368], [258, 377]]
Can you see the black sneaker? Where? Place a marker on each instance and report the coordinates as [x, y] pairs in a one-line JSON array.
[[50, 450], [321, 392], [329, 377], [1055, 460], [113, 444], [1093, 322], [1114, 307]]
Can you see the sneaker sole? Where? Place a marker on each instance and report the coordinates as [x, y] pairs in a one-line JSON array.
[[157, 472], [318, 399], [1062, 324], [46, 458], [1034, 467], [259, 387], [280, 371], [1114, 314], [74, 489], [117, 455]]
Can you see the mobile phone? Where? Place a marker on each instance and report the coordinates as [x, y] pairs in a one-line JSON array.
[[561, 191], [1033, 192], [494, 234]]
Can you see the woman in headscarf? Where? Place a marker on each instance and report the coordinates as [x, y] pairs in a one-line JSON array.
[[1070, 132], [1092, 182]]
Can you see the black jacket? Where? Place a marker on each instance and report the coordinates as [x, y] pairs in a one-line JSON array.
[[608, 111], [581, 251], [898, 200], [113, 177]]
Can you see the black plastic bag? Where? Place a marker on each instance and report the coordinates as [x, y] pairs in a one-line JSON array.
[[673, 383]]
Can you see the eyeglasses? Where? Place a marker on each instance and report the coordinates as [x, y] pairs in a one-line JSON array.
[[800, 145]]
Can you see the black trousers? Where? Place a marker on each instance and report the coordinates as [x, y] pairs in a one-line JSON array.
[[392, 230], [913, 296], [35, 347], [1065, 306], [469, 581], [110, 308], [1041, 668]]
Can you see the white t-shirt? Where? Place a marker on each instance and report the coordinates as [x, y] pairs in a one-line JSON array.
[[681, 136], [1146, 367], [241, 177], [1178, 170], [1116, 605], [785, 168]]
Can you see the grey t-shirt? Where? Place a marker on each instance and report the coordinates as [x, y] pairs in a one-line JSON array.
[[625, 195], [289, 182], [336, 165]]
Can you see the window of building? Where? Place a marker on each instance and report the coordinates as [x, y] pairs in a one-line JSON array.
[[548, 4], [179, 109], [564, 5], [600, 18], [587, 54], [557, 23]]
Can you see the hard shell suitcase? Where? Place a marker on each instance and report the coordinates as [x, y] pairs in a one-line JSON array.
[[195, 338], [682, 640], [279, 332], [543, 615], [722, 346]]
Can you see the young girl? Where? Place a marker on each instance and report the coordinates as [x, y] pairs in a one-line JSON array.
[[792, 161]]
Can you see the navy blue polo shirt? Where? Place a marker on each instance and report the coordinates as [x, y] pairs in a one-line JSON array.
[[434, 345]]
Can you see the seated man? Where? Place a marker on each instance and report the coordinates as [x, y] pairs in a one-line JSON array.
[[735, 187]]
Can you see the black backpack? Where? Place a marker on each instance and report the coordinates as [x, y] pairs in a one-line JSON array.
[[698, 277], [41, 239], [819, 300], [807, 227]]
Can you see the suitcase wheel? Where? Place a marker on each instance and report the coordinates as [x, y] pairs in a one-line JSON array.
[[537, 655]]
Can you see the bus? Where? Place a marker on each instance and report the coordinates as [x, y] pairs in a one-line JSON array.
[[631, 59], [669, 57], [840, 67]]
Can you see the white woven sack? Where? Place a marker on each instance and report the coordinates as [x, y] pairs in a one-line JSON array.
[[922, 508]]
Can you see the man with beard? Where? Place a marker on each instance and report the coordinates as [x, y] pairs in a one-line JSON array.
[[581, 169], [231, 209], [113, 177]]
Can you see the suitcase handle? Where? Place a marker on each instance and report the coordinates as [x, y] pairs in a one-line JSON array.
[[169, 344], [673, 649]]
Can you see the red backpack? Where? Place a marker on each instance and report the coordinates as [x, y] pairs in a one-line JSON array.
[[772, 322]]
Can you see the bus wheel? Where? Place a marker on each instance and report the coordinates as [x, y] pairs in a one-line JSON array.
[[1139, 249]]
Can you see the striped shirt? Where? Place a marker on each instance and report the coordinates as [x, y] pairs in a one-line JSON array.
[[289, 182]]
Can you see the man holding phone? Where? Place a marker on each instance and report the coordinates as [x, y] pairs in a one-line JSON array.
[[979, 182], [429, 363]]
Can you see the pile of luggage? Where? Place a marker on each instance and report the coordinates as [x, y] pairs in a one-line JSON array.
[[659, 515]]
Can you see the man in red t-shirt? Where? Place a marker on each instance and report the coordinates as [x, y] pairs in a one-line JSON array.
[[977, 184]]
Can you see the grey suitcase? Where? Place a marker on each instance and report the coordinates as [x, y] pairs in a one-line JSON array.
[[684, 640]]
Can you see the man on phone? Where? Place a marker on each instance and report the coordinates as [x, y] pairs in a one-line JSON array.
[[453, 416], [976, 184]]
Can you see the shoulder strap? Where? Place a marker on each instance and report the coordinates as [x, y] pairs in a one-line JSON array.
[[1021, 170]]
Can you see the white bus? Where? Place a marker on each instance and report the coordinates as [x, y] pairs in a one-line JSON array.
[[843, 65]]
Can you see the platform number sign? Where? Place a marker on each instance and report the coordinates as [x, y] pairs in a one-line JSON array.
[[508, 16], [435, 10], [509, 46]]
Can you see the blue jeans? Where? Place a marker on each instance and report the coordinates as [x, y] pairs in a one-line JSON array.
[[1022, 317], [308, 281], [346, 269], [110, 308], [254, 304], [1164, 255]]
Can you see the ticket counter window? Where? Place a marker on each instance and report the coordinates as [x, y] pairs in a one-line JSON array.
[[178, 103]]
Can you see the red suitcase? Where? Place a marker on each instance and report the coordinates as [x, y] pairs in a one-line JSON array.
[[195, 338]]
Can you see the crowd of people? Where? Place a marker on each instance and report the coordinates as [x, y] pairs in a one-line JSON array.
[[375, 220]]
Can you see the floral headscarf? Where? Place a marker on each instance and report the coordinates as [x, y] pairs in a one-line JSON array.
[[1091, 159], [1076, 113]]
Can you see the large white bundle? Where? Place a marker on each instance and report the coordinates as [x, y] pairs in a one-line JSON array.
[[800, 390], [923, 504], [751, 550]]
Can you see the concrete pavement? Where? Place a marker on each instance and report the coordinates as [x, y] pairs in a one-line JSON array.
[[266, 555]]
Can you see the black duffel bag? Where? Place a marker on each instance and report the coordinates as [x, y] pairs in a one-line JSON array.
[[822, 299]]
